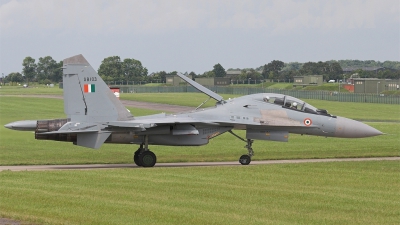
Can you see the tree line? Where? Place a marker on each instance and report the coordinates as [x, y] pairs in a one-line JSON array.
[[331, 70], [279, 71], [113, 69], [45, 71]]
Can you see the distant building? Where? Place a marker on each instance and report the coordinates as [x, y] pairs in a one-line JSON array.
[[231, 73], [374, 85], [308, 80], [214, 81], [174, 80]]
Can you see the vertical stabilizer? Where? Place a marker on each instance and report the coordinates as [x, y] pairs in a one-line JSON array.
[[86, 96]]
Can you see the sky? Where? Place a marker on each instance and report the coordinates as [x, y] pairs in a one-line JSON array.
[[185, 36]]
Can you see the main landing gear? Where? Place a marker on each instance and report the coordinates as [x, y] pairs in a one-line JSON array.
[[245, 159], [143, 156]]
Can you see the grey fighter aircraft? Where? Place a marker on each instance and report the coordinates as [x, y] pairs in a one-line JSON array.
[[95, 116]]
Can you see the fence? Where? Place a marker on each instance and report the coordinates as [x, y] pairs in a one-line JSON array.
[[321, 95]]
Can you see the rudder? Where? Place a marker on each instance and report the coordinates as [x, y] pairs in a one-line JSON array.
[[86, 96]]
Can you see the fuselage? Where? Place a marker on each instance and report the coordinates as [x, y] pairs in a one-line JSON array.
[[254, 112], [264, 116]]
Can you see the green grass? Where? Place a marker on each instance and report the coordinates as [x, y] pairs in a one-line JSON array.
[[313, 193], [325, 87], [246, 85], [391, 92], [281, 85], [360, 111], [155, 84], [31, 90], [18, 148]]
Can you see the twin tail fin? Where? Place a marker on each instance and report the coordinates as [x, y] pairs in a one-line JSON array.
[[87, 97]]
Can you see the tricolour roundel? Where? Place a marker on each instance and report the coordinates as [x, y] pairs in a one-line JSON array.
[[307, 121]]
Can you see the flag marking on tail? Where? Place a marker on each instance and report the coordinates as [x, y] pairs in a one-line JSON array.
[[88, 88]]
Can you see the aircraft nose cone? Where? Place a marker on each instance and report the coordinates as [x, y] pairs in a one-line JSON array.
[[348, 128], [9, 126]]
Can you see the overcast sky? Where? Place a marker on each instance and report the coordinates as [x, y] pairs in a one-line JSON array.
[[194, 35]]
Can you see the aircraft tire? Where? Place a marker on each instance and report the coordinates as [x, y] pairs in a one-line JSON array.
[[136, 158], [147, 159], [245, 160]]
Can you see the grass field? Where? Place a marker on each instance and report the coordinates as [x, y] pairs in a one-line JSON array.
[[314, 193], [281, 86], [32, 90], [326, 87]]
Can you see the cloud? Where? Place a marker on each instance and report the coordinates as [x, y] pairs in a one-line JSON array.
[[151, 17]]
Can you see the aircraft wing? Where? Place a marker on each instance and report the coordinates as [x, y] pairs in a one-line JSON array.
[[148, 123]]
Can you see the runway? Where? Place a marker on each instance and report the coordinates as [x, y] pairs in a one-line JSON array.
[[185, 164]]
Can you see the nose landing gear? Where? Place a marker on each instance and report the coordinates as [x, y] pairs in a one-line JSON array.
[[245, 159]]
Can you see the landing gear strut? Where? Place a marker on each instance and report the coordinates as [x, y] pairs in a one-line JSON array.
[[245, 159], [143, 156]]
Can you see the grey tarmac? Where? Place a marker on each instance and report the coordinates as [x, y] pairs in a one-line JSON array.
[[186, 164]]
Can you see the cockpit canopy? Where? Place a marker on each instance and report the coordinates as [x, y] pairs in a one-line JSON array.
[[290, 102]]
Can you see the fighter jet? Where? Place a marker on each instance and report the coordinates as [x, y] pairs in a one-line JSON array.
[[95, 116]]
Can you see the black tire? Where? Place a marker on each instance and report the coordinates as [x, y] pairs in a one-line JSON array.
[[147, 159], [245, 160], [136, 158]]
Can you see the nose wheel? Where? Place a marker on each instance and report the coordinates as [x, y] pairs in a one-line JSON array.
[[245, 159]]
